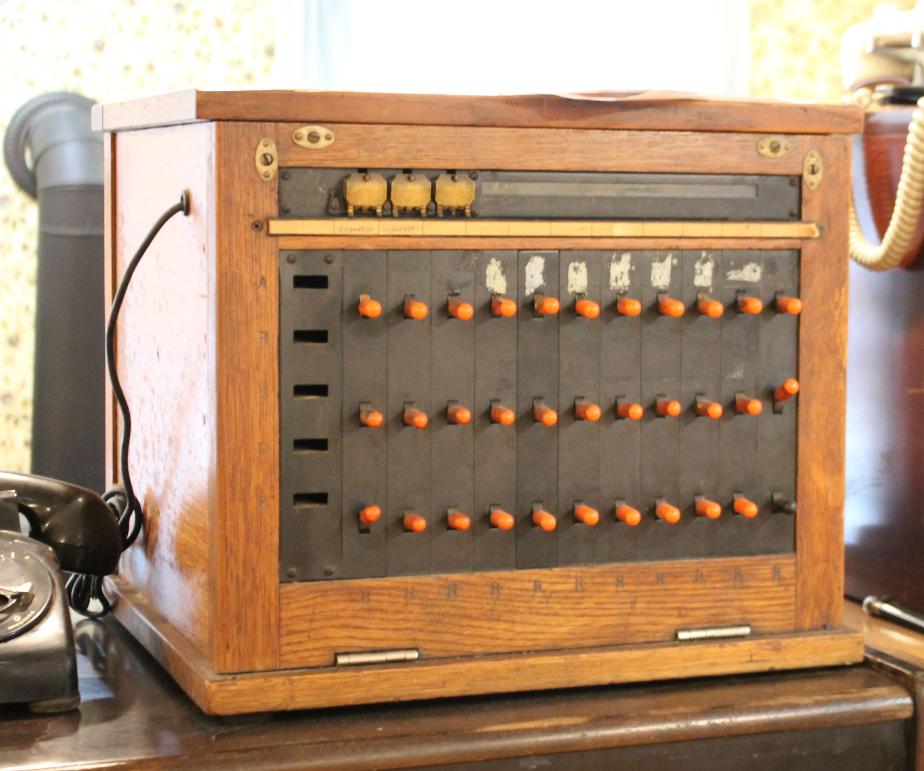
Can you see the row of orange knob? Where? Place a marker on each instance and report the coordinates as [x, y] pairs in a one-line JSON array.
[[582, 513], [583, 410], [504, 307]]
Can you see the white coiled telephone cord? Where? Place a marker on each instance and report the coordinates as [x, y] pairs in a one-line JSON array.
[[902, 226]]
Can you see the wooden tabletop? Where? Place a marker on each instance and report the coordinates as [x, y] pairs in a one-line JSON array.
[[133, 716]]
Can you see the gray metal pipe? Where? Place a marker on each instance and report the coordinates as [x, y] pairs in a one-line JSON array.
[[54, 156]]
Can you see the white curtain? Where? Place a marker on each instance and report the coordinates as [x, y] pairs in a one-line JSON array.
[[513, 46]]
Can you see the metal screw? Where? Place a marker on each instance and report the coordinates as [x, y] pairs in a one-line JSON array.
[[314, 137], [285, 175], [329, 137], [266, 143], [266, 159], [329, 259], [299, 135], [286, 209], [473, 175], [328, 571], [291, 572], [290, 258], [267, 174], [792, 182], [256, 226]]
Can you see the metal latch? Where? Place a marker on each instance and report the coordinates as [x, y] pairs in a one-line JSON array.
[[376, 657]]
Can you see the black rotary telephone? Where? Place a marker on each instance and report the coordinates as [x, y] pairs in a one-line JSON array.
[[48, 526]]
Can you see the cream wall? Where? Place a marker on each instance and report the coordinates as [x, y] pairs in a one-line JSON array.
[[119, 48]]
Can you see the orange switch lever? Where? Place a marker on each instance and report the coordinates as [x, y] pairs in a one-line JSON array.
[[628, 306], [543, 519], [708, 509], [750, 304], [456, 413], [369, 515], [668, 407], [414, 523], [709, 307], [629, 410], [503, 307], [668, 306], [586, 515], [370, 417], [668, 513], [457, 520], [415, 418], [786, 390], [709, 409], [546, 306], [744, 507], [544, 414], [585, 410], [459, 309], [790, 305], [587, 308], [746, 405], [627, 514], [369, 308], [415, 309], [501, 519], [501, 414]]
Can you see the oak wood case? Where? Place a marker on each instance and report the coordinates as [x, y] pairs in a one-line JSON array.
[[198, 353]]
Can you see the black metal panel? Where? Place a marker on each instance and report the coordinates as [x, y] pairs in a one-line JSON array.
[[537, 378], [573, 195], [310, 494], [495, 446], [452, 381]]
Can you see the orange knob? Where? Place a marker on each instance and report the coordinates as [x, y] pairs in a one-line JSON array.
[[546, 306], [587, 411], [503, 415], [627, 514], [586, 515], [415, 418], [455, 413], [709, 409], [629, 410], [370, 417], [587, 308], [708, 509], [414, 523], [790, 305], [457, 520], [711, 308], [415, 309], [459, 309], [501, 519], [369, 308], [503, 307], [544, 414], [542, 519], [786, 390], [750, 304], [745, 508], [668, 408], [745, 405], [668, 306], [670, 514], [628, 306], [369, 515]]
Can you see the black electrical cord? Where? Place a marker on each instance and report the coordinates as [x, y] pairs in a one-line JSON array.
[[82, 589]]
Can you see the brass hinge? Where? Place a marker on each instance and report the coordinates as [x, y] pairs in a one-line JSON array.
[[266, 159], [812, 169], [376, 657], [713, 633]]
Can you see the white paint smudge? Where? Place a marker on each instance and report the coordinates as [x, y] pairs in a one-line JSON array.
[[577, 278], [749, 273], [494, 278], [702, 271], [661, 272], [619, 272], [534, 278]]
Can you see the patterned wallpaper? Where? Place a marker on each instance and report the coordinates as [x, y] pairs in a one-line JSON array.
[[123, 48]]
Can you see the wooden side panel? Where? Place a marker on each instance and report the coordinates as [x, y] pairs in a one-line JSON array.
[[529, 610], [244, 548], [823, 396], [163, 354]]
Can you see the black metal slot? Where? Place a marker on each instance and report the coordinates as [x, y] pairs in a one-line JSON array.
[[310, 390], [310, 336], [309, 445], [310, 282], [309, 499]]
